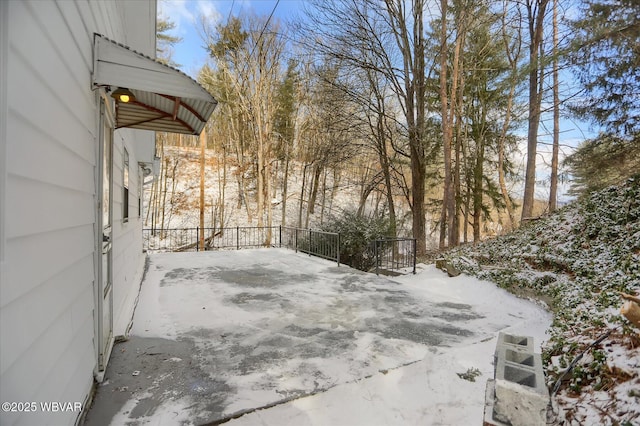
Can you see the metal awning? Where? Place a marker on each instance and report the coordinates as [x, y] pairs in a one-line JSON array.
[[166, 99]]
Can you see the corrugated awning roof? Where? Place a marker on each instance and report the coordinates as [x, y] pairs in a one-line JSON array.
[[166, 99]]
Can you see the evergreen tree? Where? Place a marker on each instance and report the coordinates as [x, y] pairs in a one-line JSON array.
[[165, 41], [607, 59], [603, 161]]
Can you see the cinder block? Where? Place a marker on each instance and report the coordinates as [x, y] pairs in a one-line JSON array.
[[521, 395], [515, 358], [489, 401], [512, 341], [527, 372], [516, 404], [521, 358]]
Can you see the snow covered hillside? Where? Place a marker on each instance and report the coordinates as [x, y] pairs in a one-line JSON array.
[[230, 202], [578, 260]]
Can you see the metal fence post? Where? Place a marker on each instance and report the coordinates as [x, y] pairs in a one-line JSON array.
[[309, 248], [296, 239], [414, 256], [375, 254], [338, 249], [198, 238]]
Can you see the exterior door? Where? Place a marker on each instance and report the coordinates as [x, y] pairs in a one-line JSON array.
[[105, 287]]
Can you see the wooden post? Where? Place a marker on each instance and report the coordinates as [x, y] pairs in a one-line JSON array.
[[203, 144]]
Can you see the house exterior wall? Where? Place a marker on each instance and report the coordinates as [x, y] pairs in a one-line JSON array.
[[128, 264], [49, 141]]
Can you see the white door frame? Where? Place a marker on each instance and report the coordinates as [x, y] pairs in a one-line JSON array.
[[103, 289]]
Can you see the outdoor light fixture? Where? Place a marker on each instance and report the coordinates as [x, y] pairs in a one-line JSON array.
[[122, 94]]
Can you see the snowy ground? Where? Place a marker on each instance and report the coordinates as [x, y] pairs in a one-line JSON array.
[[273, 337]]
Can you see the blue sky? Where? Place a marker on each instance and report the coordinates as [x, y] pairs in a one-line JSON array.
[[188, 14], [191, 55]]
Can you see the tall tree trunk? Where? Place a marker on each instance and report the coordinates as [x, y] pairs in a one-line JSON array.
[[386, 170], [240, 170], [315, 183], [383, 159], [268, 198], [535, 12], [553, 191], [455, 116], [455, 122], [469, 191], [449, 201], [222, 186], [149, 206], [411, 42], [203, 144], [164, 193], [478, 174], [260, 181], [512, 54], [285, 185], [302, 190], [324, 195], [418, 150], [334, 187]]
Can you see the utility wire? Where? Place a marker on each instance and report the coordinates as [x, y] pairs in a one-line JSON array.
[[266, 24], [231, 10]]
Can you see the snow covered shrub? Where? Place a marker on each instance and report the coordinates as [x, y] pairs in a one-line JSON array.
[[356, 235]]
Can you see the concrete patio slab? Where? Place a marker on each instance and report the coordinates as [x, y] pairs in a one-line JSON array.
[[224, 335]]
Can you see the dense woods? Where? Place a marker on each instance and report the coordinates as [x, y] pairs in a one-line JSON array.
[[416, 108]]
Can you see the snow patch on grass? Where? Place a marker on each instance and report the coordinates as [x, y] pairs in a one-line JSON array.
[[578, 260]]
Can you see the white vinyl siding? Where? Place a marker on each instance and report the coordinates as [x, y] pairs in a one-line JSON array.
[[128, 263], [48, 204], [46, 310], [4, 55]]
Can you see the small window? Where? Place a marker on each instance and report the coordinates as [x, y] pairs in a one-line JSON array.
[[125, 186]]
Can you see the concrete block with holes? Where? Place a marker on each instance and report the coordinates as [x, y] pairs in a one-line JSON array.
[[518, 394]]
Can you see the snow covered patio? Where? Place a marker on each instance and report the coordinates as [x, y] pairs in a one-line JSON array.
[[291, 339]]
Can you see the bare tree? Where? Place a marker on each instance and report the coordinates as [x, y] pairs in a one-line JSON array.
[[394, 37], [249, 55], [512, 42], [536, 10], [408, 30], [553, 190], [448, 201]]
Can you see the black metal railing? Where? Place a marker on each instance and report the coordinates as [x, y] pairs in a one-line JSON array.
[[390, 254], [188, 239], [173, 239], [316, 243], [395, 254], [241, 237]]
